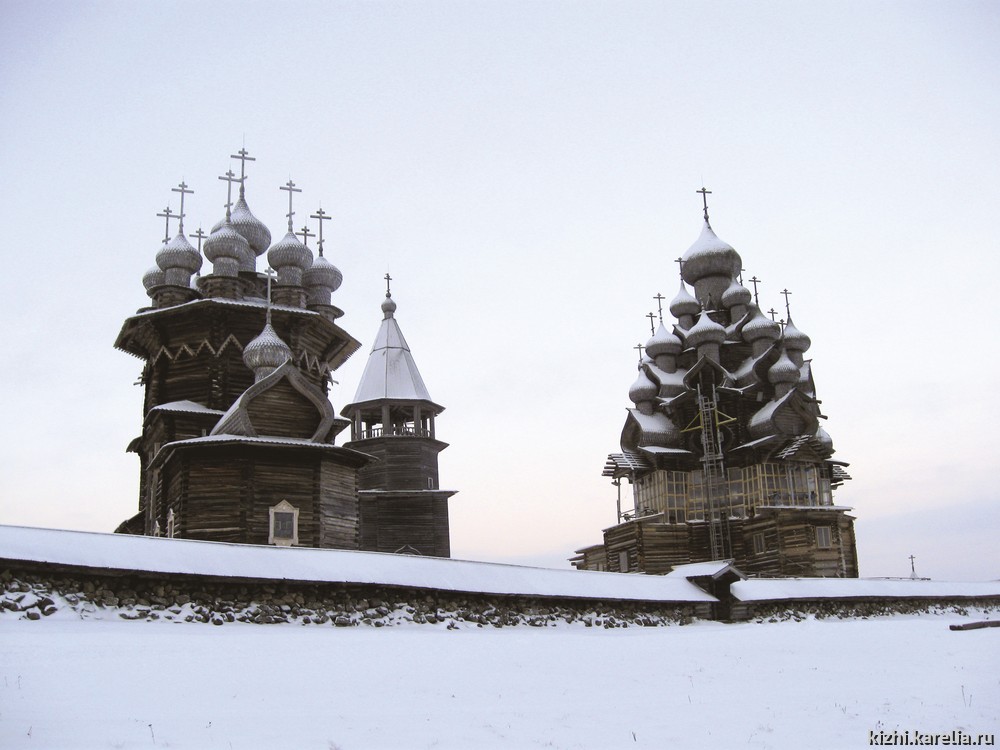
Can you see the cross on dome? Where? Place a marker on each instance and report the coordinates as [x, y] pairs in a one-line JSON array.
[[788, 312], [290, 188], [659, 304], [387, 278], [322, 216], [680, 266], [200, 235], [167, 215], [640, 348], [182, 188], [755, 281], [230, 178], [244, 156], [704, 199], [652, 327], [305, 234]]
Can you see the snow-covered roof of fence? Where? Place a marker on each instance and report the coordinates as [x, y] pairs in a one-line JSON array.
[[768, 589], [160, 555]]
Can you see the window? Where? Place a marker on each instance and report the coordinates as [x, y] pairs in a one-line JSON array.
[[171, 524], [758, 543], [623, 561], [284, 525], [824, 537]]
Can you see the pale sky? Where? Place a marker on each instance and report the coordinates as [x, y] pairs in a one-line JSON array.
[[526, 171]]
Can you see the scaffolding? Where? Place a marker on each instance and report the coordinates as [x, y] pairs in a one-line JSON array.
[[716, 487]]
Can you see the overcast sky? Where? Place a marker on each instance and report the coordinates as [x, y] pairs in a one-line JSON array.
[[526, 171]]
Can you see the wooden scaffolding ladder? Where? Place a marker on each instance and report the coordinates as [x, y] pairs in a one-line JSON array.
[[714, 470]]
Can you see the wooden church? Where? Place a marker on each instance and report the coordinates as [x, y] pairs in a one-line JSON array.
[[722, 446], [237, 440]]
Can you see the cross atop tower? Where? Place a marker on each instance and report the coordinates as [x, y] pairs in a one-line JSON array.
[[680, 266], [755, 281], [772, 312], [200, 235], [244, 156], [182, 188], [704, 199], [639, 347], [659, 304], [305, 234], [230, 178], [387, 278], [788, 312], [322, 216], [168, 215], [290, 187], [652, 317]]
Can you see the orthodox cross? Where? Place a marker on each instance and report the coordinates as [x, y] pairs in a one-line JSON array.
[[659, 304], [322, 216], [167, 214], [913, 570], [200, 235], [290, 187], [652, 317], [739, 276], [772, 312], [305, 234], [704, 199], [680, 266], [387, 278], [244, 156], [639, 347], [182, 188], [230, 178], [787, 311], [755, 281]]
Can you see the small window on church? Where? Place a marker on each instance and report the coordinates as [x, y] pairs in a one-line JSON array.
[[758, 543], [171, 524], [623, 561], [824, 537], [284, 525]]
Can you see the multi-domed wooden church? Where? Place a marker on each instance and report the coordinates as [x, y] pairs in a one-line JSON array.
[[722, 446], [237, 440]]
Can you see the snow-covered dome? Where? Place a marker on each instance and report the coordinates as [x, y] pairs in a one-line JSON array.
[[388, 306], [152, 278], [794, 339], [178, 260], [684, 303], [709, 256], [227, 250], [322, 279], [783, 371], [824, 439], [257, 235], [735, 294], [663, 342], [760, 327], [705, 330], [290, 258], [266, 353], [643, 389]]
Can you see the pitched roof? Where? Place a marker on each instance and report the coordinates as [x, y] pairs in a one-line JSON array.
[[391, 372]]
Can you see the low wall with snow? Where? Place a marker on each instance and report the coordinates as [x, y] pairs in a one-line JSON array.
[[46, 572]]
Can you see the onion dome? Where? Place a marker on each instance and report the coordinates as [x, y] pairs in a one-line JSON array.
[[226, 249], [322, 279], [643, 389], [289, 258], [824, 439], [761, 327], [663, 342], [735, 294], [178, 260], [266, 353], [794, 339], [152, 278], [253, 230], [684, 303], [783, 371], [705, 331], [388, 306], [709, 256]]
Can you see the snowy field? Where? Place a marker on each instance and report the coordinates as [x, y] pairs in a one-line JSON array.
[[71, 683]]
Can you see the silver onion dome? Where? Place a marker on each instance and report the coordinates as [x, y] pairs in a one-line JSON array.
[[321, 280], [643, 389], [709, 256], [152, 278], [684, 303], [227, 250], [705, 330], [178, 260], [266, 353], [290, 258], [257, 235], [783, 371], [663, 342], [794, 338], [735, 294], [761, 327]]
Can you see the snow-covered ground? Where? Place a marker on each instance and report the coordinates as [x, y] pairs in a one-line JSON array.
[[72, 683]]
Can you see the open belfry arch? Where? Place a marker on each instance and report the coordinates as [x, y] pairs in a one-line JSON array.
[[237, 440], [722, 447]]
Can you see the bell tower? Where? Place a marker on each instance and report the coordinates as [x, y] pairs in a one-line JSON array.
[[401, 505]]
